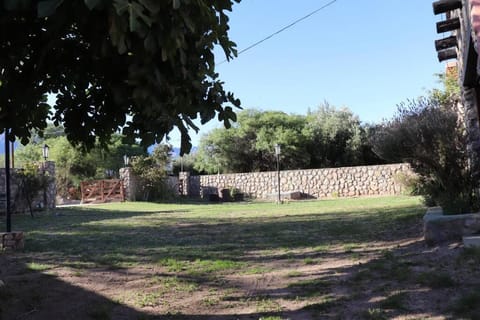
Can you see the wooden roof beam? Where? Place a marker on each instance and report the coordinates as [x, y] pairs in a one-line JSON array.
[[446, 43], [443, 6], [448, 25], [447, 54]]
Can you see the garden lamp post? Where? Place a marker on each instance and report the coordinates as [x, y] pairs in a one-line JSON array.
[[45, 151], [126, 160], [277, 154], [7, 181]]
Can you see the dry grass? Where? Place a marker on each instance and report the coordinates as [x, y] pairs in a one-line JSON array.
[[335, 259]]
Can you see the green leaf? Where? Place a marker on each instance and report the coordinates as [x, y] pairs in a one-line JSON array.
[[47, 8], [135, 14], [92, 4], [11, 5], [121, 6], [152, 5], [150, 43], [176, 4], [164, 54]]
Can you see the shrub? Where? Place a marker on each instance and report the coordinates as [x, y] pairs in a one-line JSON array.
[[32, 182], [427, 134], [410, 184], [151, 172]]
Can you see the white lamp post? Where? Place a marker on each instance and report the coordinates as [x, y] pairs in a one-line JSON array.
[[45, 151]]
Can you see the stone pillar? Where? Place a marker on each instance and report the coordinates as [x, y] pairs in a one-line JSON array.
[[11, 240], [472, 126], [129, 183], [184, 183]]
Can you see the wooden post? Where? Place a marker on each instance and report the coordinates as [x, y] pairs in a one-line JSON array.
[[102, 190], [122, 191]]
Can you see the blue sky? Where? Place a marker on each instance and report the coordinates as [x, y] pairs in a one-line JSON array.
[[366, 55]]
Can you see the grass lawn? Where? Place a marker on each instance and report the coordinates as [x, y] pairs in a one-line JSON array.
[[333, 259]]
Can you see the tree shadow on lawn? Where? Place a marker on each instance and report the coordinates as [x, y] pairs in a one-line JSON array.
[[128, 237], [29, 294], [409, 281], [381, 288]]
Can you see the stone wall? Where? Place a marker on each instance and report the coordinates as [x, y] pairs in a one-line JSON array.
[[314, 183], [11, 241], [45, 198], [131, 184], [438, 227]]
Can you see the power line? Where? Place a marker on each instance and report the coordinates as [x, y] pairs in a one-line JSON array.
[[281, 30]]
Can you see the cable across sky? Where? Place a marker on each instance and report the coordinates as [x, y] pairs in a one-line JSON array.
[[283, 29]]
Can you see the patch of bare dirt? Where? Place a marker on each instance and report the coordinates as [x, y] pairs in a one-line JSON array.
[[378, 280]]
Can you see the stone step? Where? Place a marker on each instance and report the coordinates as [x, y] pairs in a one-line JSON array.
[[471, 241]]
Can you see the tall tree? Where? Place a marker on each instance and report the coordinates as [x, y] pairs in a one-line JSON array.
[[336, 137], [143, 66], [249, 146], [74, 165]]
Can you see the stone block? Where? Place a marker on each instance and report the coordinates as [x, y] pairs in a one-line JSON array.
[[440, 228], [471, 241]]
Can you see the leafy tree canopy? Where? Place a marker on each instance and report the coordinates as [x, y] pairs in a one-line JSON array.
[[323, 138], [73, 165], [249, 145], [143, 66], [336, 137]]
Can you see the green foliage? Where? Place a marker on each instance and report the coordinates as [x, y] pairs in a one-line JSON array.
[[151, 171], [144, 66], [337, 138], [427, 134], [327, 137], [74, 165], [32, 182], [397, 301], [467, 305], [435, 279], [187, 162], [411, 184], [249, 145]]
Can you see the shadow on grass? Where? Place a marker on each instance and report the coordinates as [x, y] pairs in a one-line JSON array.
[[382, 288], [106, 238], [93, 239]]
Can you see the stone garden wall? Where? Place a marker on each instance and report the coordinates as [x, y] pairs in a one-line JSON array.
[[314, 183], [43, 199]]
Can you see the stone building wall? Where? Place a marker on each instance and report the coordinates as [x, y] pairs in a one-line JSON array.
[[467, 67], [314, 183]]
